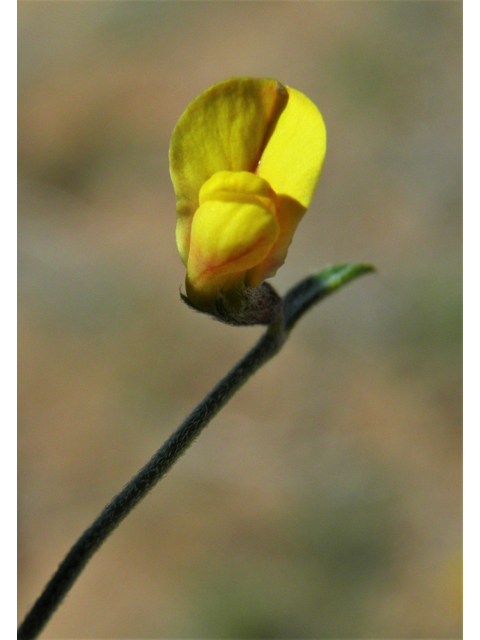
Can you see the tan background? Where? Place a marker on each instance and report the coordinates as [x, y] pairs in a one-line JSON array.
[[325, 500]]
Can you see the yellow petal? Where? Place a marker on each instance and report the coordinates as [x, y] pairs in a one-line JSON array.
[[293, 156], [237, 184], [233, 230], [224, 128], [291, 162], [289, 214]]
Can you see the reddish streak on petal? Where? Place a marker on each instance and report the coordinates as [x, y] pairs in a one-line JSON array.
[[210, 268]]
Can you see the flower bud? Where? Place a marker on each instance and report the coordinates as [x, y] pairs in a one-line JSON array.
[[245, 158]]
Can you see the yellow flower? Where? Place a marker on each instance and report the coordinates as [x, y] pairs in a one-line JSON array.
[[245, 158]]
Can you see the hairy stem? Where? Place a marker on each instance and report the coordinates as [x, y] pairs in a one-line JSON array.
[[296, 302]]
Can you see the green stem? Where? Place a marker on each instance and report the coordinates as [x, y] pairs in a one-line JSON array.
[[296, 303]]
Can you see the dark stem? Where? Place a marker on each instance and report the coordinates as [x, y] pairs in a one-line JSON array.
[[296, 302], [145, 480]]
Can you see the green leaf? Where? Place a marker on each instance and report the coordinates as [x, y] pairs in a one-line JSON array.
[[335, 276]]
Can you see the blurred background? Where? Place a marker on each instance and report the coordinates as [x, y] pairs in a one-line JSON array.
[[325, 499]]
